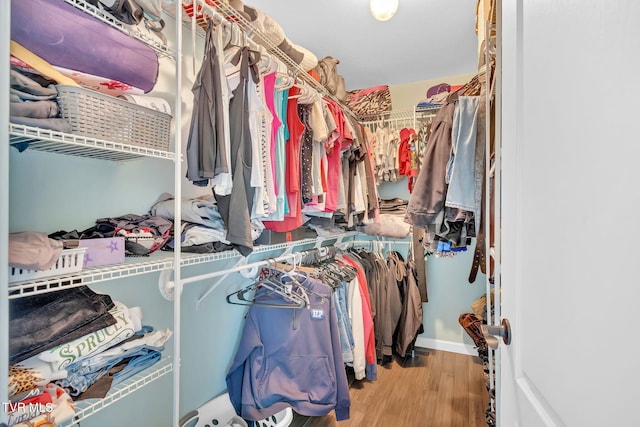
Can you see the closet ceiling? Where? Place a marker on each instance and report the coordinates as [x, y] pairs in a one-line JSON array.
[[427, 39]]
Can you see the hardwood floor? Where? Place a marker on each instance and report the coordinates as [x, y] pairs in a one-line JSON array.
[[433, 389]]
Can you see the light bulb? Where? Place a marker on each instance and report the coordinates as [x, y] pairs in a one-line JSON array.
[[383, 10]]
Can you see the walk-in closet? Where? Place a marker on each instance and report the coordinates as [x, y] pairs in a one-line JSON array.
[[153, 115], [313, 214]]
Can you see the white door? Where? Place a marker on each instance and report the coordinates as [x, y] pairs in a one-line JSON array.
[[570, 202]]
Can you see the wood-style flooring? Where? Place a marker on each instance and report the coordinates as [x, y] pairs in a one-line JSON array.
[[433, 389]]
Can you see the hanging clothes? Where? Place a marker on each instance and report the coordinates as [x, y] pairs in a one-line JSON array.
[[269, 81], [355, 309], [420, 264], [410, 323], [344, 323], [367, 321], [206, 156], [427, 200], [259, 121], [279, 154], [306, 155], [461, 167], [241, 199], [396, 274], [335, 145], [296, 128], [290, 357]]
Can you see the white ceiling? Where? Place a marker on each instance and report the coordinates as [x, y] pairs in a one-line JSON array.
[[427, 39]]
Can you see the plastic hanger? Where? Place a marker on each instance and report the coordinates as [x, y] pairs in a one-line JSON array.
[[291, 300], [266, 62], [299, 277], [272, 285], [307, 95], [237, 38], [286, 80]]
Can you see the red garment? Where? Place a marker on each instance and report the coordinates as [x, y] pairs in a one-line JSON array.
[[343, 128], [293, 219], [369, 335], [404, 151], [333, 157]]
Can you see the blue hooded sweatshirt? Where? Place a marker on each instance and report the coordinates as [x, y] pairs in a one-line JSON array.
[[290, 357]]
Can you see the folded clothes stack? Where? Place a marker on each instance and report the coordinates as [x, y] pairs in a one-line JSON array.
[[393, 206], [72, 345], [202, 228], [33, 101]]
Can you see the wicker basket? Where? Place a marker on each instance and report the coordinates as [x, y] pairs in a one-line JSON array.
[[96, 115], [69, 262]]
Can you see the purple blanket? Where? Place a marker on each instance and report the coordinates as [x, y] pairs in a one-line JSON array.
[[70, 38]]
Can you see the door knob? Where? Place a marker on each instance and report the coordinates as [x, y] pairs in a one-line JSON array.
[[491, 333]]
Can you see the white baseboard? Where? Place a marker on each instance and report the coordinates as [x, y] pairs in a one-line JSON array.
[[453, 347]]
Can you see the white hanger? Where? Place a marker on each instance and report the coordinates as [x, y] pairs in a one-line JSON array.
[[287, 80], [273, 64], [308, 95], [268, 64]]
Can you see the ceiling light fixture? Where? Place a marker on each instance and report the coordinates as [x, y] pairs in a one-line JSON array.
[[383, 10]]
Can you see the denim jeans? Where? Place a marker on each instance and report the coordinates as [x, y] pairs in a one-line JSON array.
[[80, 378], [41, 322], [346, 335], [137, 354], [461, 166]]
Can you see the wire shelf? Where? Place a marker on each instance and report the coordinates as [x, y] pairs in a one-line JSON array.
[[76, 145], [193, 259], [134, 266], [161, 49], [87, 408], [400, 115]]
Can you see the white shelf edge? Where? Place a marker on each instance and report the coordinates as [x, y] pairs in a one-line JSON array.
[[84, 409], [131, 267], [76, 145]]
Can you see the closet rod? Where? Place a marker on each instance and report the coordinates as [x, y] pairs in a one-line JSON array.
[[167, 286], [242, 267], [170, 285]]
